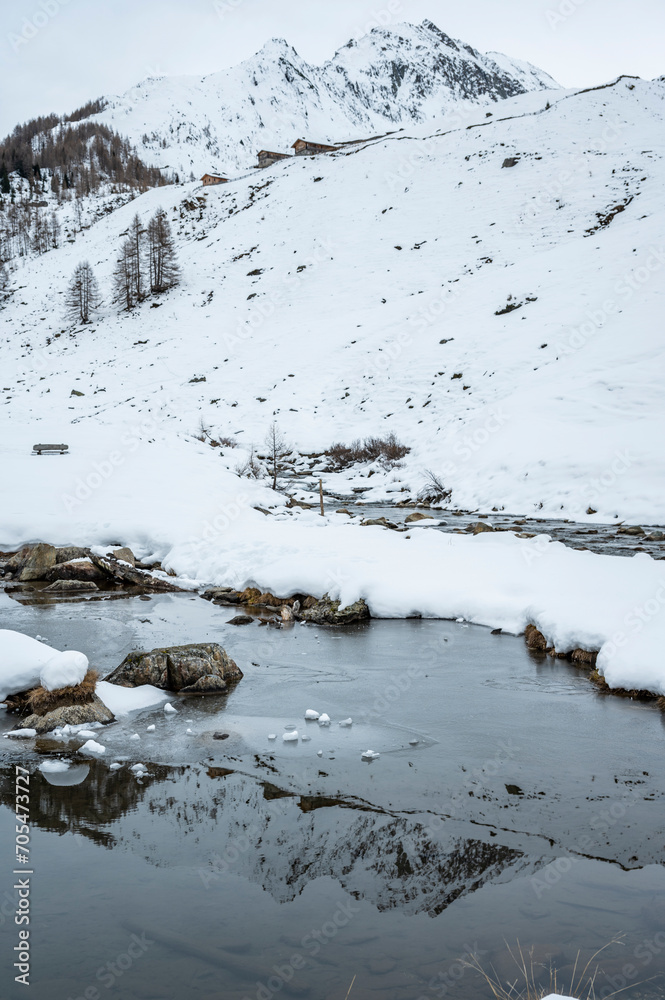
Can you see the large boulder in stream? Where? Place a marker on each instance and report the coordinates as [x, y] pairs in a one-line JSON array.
[[328, 612], [198, 668], [34, 563]]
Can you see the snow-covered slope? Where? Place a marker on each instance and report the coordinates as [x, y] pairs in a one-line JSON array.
[[388, 78], [376, 289]]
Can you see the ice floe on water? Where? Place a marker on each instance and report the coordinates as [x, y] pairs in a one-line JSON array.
[[122, 700], [54, 766], [92, 747]]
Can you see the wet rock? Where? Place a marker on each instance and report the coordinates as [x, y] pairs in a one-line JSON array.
[[70, 587], [370, 522], [416, 516], [289, 614], [72, 715], [479, 527], [123, 573], [125, 555], [656, 536], [178, 668], [38, 560], [68, 552], [630, 529], [241, 620], [209, 684], [535, 640], [328, 612], [510, 161], [77, 569], [584, 657], [222, 595]]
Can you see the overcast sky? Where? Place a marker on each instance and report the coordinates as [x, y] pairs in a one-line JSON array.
[[57, 54]]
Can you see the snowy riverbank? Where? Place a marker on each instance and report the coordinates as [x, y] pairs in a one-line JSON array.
[[203, 525]]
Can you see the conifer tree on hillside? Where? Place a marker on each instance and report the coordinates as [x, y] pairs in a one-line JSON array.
[[83, 296]]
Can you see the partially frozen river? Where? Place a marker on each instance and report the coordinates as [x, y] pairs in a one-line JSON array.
[[510, 801]]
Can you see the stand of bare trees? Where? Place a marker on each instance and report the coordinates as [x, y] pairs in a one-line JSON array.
[[83, 296], [147, 261], [162, 262]]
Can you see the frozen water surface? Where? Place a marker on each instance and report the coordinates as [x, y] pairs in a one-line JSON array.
[[509, 800]]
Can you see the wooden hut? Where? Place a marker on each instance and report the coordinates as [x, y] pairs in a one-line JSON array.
[[266, 157], [209, 179], [304, 147]]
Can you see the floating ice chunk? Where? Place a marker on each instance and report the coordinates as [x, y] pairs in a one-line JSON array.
[[150, 729], [319, 753], [53, 766], [290, 727], [85, 734], [190, 732], [345, 723], [459, 619], [169, 709], [414, 743], [135, 737], [115, 767], [138, 769], [324, 720], [21, 734], [272, 736], [370, 755], [305, 739], [290, 737], [64, 670], [311, 714], [92, 747]]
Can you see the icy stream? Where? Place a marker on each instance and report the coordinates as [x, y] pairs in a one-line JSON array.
[[510, 801]]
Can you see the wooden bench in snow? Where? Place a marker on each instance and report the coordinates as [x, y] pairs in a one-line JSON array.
[[50, 449]]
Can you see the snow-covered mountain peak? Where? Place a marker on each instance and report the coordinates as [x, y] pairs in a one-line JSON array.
[[400, 74]]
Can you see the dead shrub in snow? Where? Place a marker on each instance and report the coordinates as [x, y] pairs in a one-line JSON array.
[[39, 701], [387, 450], [434, 490], [251, 468]]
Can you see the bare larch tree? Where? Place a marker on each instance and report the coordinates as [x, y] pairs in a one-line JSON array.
[[83, 296], [162, 262], [277, 451]]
